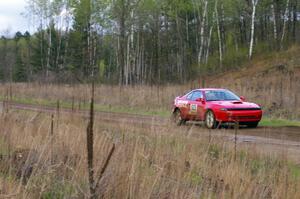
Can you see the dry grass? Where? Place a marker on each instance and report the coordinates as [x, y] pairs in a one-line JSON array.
[[278, 95], [149, 162], [272, 81], [145, 97]]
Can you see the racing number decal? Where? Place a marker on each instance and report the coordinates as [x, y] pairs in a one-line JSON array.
[[193, 109]]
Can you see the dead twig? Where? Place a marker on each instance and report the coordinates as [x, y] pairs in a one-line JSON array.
[[103, 169]]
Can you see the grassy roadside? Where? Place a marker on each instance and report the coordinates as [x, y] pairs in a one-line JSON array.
[[86, 106], [268, 122], [164, 161], [273, 122]]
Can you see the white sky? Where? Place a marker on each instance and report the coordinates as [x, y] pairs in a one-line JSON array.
[[11, 18]]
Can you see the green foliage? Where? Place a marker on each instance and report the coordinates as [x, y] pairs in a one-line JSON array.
[[20, 71], [38, 60], [79, 37], [82, 15], [1, 72], [144, 41], [214, 151], [4, 148], [20, 74], [278, 122], [294, 170], [195, 177], [58, 190], [101, 69]]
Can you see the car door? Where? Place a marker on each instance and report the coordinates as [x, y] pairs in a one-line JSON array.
[[196, 107], [185, 108]]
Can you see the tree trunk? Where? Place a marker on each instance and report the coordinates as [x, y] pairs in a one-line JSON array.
[[122, 43], [202, 33], [274, 22], [208, 43], [58, 49], [295, 12], [49, 51], [222, 28], [219, 35], [284, 23], [254, 4]]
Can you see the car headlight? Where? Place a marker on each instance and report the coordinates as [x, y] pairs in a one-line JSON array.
[[223, 109]]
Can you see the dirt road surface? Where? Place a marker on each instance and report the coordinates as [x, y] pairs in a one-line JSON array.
[[284, 141]]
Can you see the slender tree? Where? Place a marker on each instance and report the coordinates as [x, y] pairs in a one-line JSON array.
[[254, 4]]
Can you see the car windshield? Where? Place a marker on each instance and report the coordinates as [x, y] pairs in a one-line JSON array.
[[220, 95]]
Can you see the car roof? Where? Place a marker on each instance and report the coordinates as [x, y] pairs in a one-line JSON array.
[[210, 89]]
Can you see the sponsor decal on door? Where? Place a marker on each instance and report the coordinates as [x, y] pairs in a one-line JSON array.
[[193, 109]]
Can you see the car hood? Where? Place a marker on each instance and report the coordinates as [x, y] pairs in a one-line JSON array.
[[234, 104]]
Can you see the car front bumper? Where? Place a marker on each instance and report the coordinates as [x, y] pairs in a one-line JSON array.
[[239, 116]]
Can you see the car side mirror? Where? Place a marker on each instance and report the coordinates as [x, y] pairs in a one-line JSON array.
[[200, 100], [243, 98]]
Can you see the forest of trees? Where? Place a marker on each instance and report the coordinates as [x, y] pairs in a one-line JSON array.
[[145, 41]]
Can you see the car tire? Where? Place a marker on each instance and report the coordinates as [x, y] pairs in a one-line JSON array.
[[210, 120], [177, 119], [252, 124]]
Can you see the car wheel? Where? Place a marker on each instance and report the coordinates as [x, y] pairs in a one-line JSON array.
[[177, 119], [252, 124], [210, 120]]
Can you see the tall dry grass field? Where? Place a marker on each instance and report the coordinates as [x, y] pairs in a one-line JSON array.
[[146, 97], [277, 89], [149, 161]]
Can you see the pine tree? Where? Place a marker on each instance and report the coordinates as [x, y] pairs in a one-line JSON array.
[[19, 72], [38, 58], [80, 38]]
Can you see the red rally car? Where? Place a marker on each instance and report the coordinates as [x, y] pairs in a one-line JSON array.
[[215, 106]]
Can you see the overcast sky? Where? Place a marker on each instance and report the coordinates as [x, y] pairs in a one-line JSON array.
[[11, 18]]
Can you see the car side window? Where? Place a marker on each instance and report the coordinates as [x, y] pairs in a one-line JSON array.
[[197, 95], [189, 96]]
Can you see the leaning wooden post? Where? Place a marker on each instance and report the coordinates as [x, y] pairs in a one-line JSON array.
[[111, 151]]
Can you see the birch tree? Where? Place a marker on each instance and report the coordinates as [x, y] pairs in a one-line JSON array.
[[202, 32], [40, 10], [219, 34], [154, 41], [254, 4], [285, 18], [274, 21]]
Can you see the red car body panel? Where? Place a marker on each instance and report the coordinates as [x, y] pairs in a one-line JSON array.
[[224, 111]]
